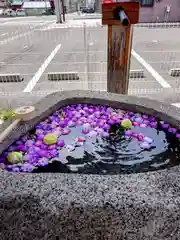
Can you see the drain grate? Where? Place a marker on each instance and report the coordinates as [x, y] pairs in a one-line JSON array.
[[174, 72], [63, 76], [10, 78], [136, 73]]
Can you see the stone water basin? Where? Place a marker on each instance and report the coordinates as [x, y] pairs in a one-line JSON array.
[[94, 139]]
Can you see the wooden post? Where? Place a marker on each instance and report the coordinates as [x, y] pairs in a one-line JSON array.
[[119, 54], [119, 43]]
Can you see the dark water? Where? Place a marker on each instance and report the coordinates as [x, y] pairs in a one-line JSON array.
[[117, 155]]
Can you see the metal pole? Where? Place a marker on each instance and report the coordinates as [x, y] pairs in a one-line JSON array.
[[86, 56], [58, 10], [45, 5], [63, 10]]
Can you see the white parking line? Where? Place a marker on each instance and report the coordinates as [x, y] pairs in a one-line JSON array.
[[41, 70], [5, 41], [3, 34], [151, 70]]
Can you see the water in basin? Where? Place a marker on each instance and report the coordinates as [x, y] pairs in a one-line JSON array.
[[95, 140]]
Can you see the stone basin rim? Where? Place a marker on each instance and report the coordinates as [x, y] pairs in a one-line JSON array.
[[52, 102]]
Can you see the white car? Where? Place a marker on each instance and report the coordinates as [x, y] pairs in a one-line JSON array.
[[9, 12], [18, 12]]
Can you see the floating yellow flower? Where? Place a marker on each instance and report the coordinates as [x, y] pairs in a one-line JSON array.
[[50, 138], [15, 157], [126, 124]]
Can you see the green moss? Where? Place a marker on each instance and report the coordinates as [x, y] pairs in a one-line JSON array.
[[6, 114]]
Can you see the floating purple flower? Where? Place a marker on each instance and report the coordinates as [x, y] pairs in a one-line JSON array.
[[70, 148], [128, 133], [40, 136], [62, 124], [148, 140], [131, 114], [145, 145], [86, 109], [21, 148], [140, 137], [42, 153], [84, 119], [109, 110], [60, 143], [143, 125], [53, 146], [27, 167], [111, 122], [92, 134], [44, 146], [105, 134], [53, 153], [97, 114], [106, 127], [38, 143], [19, 142], [99, 131], [145, 117], [66, 131], [15, 169], [27, 157], [80, 139], [85, 131], [12, 148], [153, 124], [39, 126], [164, 125], [24, 138], [172, 130], [136, 124], [2, 166], [91, 110], [82, 112], [43, 162], [138, 120], [178, 135], [146, 122], [77, 115], [79, 122], [152, 119], [79, 144], [57, 132], [101, 124]]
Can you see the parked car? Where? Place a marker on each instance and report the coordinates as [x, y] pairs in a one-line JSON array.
[[87, 10], [20, 12], [9, 12], [14, 13], [48, 12]]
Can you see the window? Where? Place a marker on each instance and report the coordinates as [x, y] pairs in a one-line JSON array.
[[147, 3]]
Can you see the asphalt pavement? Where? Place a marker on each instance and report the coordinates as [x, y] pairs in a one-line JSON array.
[[36, 46]]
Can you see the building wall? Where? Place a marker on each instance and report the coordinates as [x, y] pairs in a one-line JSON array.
[[3, 3], [157, 12]]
